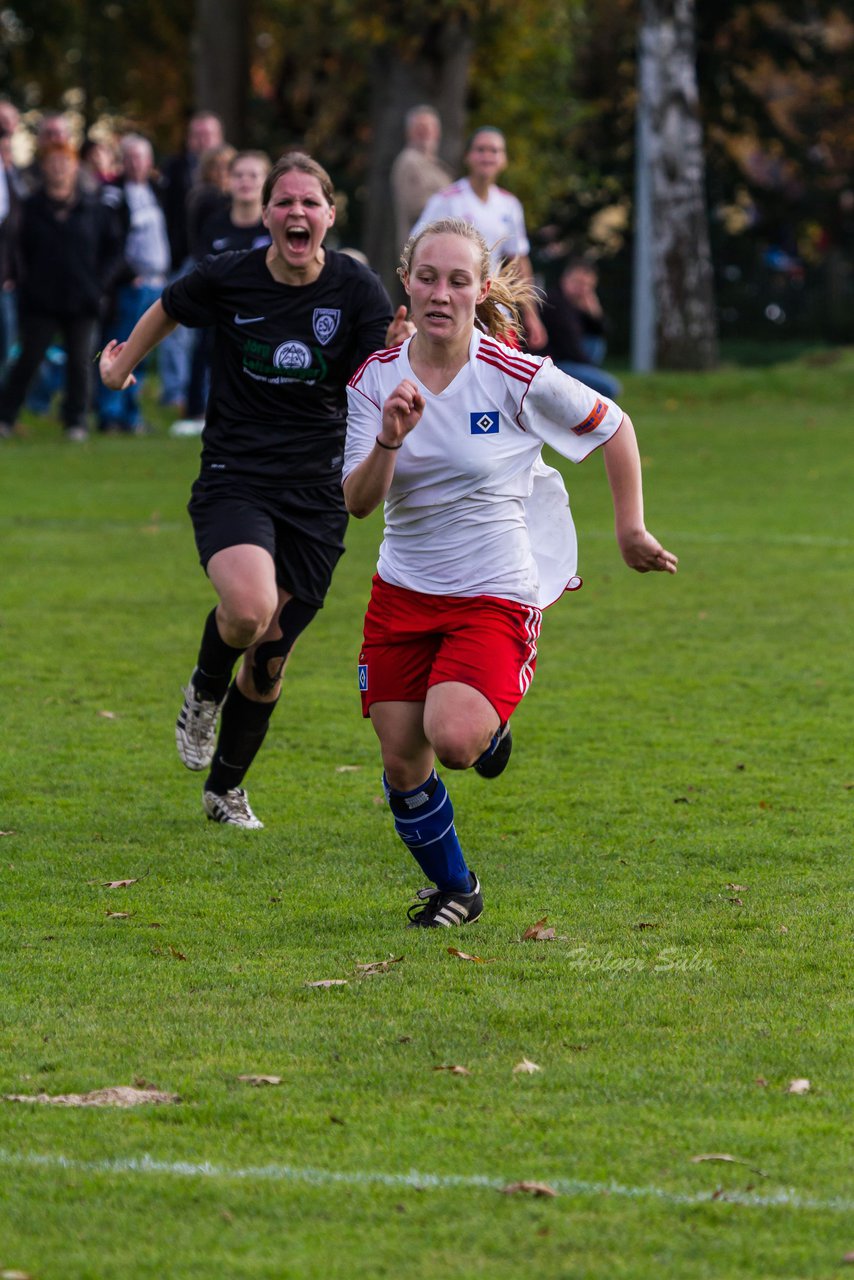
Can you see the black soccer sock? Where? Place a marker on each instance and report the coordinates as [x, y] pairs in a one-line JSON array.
[[215, 661], [242, 728]]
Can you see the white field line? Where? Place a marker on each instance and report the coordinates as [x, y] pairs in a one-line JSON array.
[[784, 1199]]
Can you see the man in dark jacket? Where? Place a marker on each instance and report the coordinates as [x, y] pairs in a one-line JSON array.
[[70, 251], [178, 173], [575, 324]]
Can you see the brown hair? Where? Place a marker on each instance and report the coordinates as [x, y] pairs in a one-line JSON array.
[[58, 149], [300, 162], [500, 313], [261, 156], [210, 161]]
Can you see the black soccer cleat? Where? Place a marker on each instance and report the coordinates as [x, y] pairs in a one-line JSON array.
[[444, 909], [497, 762]]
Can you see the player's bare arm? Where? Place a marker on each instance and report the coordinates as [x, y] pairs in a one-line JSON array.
[[367, 485], [638, 547], [119, 359]]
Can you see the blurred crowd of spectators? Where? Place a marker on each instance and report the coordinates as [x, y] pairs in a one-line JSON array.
[[89, 236]]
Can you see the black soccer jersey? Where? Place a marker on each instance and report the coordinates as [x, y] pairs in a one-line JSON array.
[[219, 234], [283, 355]]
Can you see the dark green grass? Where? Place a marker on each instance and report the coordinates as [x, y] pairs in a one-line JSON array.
[[681, 736]]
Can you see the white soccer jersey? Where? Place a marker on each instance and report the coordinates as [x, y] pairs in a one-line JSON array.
[[499, 218], [472, 508]]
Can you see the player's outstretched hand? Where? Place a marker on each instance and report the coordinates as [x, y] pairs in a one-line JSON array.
[[645, 553], [107, 367], [401, 412], [400, 328]]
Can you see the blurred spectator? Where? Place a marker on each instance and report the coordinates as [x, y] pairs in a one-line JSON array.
[[204, 130], [209, 194], [53, 130], [495, 212], [146, 254], [417, 172], [575, 324], [98, 163], [9, 208], [178, 174], [9, 116], [236, 227], [70, 251], [239, 225]]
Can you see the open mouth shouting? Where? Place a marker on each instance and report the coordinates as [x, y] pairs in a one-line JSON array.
[[297, 238], [298, 215]]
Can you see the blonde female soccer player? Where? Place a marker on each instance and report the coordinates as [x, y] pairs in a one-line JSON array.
[[447, 430]]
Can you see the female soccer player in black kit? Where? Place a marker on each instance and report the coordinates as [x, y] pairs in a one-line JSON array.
[[292, 323]]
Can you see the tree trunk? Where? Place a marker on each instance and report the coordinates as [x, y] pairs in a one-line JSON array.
[[221, 63], [686, 323], [437, 74]]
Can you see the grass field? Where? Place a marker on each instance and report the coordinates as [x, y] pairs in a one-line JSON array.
[[677, 806]]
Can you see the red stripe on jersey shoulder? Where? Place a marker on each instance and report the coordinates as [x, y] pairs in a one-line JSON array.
[[519, 366], [380, 357]]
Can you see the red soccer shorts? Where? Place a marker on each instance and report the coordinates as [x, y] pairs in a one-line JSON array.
[[414, 641]]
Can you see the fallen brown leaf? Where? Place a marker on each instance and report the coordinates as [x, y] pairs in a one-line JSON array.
[[107, 715], [119, 915], [538, 932], [463, 955], [178, 955], [526, 1067], [8, 833], [646, 924], [784, 928], [118, 1096], [259, 1080], [727, 1159], [738, 888], [329, 982], [378, 966], [530, 1188], [738, 901], [798, 1086], [454, 1070], [120, 884], [761, 1081]]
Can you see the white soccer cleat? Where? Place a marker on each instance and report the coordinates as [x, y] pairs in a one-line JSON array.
[[195, 728], [232, 809]]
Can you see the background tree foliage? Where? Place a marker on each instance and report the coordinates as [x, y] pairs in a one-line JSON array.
[[775, 82]]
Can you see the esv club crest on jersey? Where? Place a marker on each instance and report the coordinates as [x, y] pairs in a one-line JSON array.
[[484, 423], [325, 323]]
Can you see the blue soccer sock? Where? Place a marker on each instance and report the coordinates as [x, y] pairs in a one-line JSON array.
[[424, 820]]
